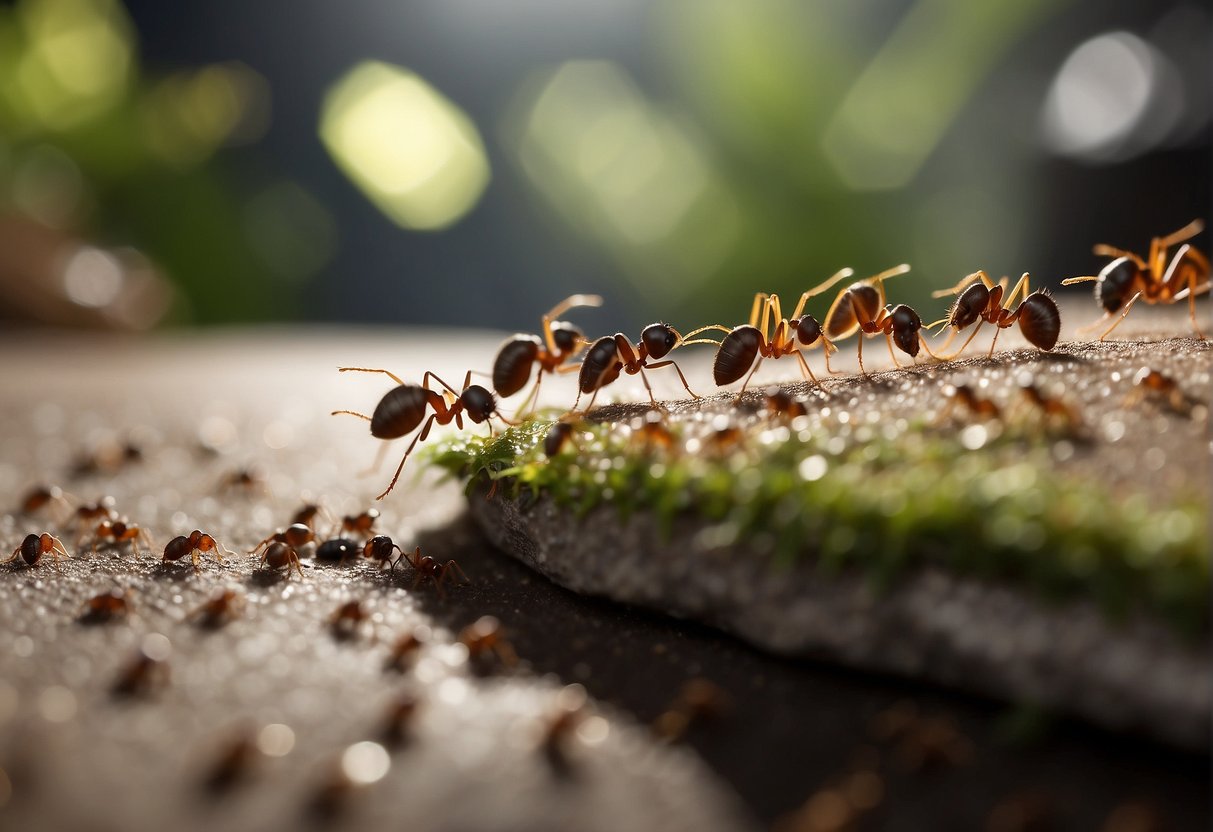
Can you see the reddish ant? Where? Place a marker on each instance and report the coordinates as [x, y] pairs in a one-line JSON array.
[[345, 620], [1128, 277], [1161, 388], [779, 403], [380, 548], [982, 303], [404, 407], [306, 514], [405, 649], [87, 513], [232, 763], [35, 546], [560, 342], [398, 718], [861, 308], [426, 567], [963, 395], [279, 555], [651, 433], [296, 536], [146, 671], [106, 606], [361, 524], [612, 354], [198, 543], [247, 480], [116, 532], [224, 606], [485, 636], [39, 497], [790, 336], [1053, 410], [107, 458]]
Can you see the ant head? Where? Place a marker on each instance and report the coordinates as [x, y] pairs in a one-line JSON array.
[[1116, 284], [659, 339], [906, 325], [971, 303], [377, 547], [478, 402], [807, 330], [196, 537], [566, 336]]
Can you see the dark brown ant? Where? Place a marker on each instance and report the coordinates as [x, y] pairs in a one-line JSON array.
[[861, 308], [88, 513], [397, 720], [107, 458], [1128, 277], [486, 636], [338, 549], [612, 354], [779, 403], [1161, 388], [558, 435], [556, 734], [116, 532], [296, 535], [360, 524], [561, 341], [404, 650], [41, 496], [699, 699], [345, 619], [198, 543], [724, 438], [790, 336], [34, 546], [280, 555], [232, 764], [306, 515], [106, 606], [380, 547], [962, 395], [246, 480], [221, 608], [1052, 409], [651, 433], [426, 567], [143, 674], [404, 407], [982, 303]]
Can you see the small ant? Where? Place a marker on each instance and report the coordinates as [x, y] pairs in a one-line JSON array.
[[306, 514], [116, 532], [87, 513], [221, 608], [790, 336], [982, 303], [345, 620], [962, 395], [861, 308], [405, 649], [560, 727], [397, 719], [558, 435], [107, 458], [612, 354], [484, 636], [247, 480], [362, 523], [651, 433], [560, 342], [142, 674], [426, 567], [403, 408], [338, 549], [1053, 409], [198, 543], [779, 402], [725, 437], [380, 548], [296, 535], [1128, 277], [106, 607], [1161, 388], [34, 546], [232, 763], [41, 496], [279, 555], [699, 699]]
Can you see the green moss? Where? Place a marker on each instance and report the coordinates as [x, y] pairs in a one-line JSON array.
[[856, 500]]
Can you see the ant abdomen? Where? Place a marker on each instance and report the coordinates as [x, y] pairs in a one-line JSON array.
[[1115, 283], [736, 354], [969, 306], [399, 412], [601, 365], [1040, 320], [512, 367]]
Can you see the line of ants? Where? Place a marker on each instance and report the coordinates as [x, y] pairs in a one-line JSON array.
[[861, 309]]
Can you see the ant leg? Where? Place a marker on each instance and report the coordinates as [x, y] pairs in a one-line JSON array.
[[678, 370], [980, 274], [804, 365], [746, 383], [425, 431], [374, 466], [429, 375], [531, 397], [560, 309], [387, 373], [351, 413], [295, 563], [1128, 306], [922, 340], [861, 369], [888, 337], [647, 386], [993, 341], [968, 340], [760, 299], [1023, 285], [841, 274], [450, 564], [1102, 250]]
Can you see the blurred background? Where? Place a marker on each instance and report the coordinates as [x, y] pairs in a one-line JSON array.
[[470, 162]]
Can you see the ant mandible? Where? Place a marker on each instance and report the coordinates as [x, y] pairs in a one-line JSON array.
[[404, 407], [560, 342], [743, 343], [1127, 278], [612, 354], [861, 308], [982, 303]]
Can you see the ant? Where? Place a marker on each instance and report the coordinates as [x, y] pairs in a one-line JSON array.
[[426, 567], [612, 354], [560, 342], [246, 480], [404, 407], [279, 555], [362, 523], [982, 303], [338, 549], [1162, 388], [742, 344], [224, 606], [232, 764], [1128, 277], [41, 496], [345, 620], [35, 546], [198, 543], [963, 395], [148, 670], [558, 435], [117, 532], [397, 719], [779, 402], [650, 432], [106, 606], [484, 636], [296, 535], [306, 514], [861, 308], [1053, 409], [107, 458], [87, 513], [405, 649], [380, 548], [570, 713], [699, 699]]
